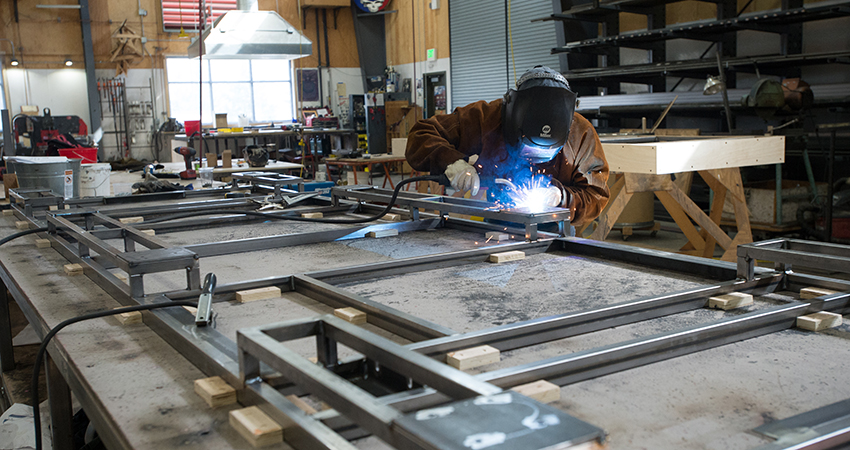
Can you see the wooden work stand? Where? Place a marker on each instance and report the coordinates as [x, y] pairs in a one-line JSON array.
[[716, 160]]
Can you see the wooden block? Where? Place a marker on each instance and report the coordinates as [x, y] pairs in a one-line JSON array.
[[73, 269], [301, 404], [129, 318], [192, 310], [120, 277], [497, 236], [42, 243], [22, 225], [136, 219], [473, 357], [257, 294], [507, 256], [729, 301], [215, 391], [313, 359], [212, 160], [227, 159], [149, 232], [256, 427], [382, 233], [10, 181], [540, 390], [317, 215], [352, 315], [819, 321], [8, 212], [814, 292], [392, 217], [53, 208]]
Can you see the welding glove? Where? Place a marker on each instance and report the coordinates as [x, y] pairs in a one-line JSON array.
[[463, 176], [553, 196]]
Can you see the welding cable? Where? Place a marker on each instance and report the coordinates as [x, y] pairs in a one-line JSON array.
[[41, 350], [22, 233], [436, 178]]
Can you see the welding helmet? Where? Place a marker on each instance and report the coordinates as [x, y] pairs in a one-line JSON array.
[[537, 115]]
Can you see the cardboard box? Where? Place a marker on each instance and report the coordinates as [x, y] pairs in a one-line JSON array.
[[362, 177], [399, 146]]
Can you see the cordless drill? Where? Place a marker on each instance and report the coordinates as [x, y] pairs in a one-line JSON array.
[[188, 153]]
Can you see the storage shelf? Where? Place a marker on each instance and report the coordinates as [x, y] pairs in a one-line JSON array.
[[598, 11]]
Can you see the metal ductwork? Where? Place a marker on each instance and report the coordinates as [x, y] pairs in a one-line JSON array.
[[251, 34]]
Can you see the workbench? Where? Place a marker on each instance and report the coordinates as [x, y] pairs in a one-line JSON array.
[[388, 162], [137, 384]]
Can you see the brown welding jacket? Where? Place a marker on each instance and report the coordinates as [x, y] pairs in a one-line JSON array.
[[476, 129]]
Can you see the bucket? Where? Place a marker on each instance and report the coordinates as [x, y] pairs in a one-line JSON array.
[[61, 177], [192, 126], [88, 155], [94, 180]]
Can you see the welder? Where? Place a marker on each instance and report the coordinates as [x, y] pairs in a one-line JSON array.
[[530, 136]]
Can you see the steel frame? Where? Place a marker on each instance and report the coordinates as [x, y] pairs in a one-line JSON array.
[[217, 355]]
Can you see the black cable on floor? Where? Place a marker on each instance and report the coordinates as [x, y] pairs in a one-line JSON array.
[[389, 207], [41, 350], [22, 233]]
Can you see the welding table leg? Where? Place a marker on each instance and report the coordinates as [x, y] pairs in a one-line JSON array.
[[61, 410], [7, 355]]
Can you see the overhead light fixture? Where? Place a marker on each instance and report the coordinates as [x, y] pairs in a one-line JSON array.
[[14, 61], [713, 85], [68, 62]]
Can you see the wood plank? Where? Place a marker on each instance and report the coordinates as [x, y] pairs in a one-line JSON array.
[[695, 154], [314, 215], [473, 357], [497, 236], [129, 318], [73, 269], [640, 182], [301, 404], [700, 217], [352, 315], [819, 321], [814, 292], [681, 218], [22, 225], [8, 212], [256, 427], [716, 214], [540, 390], [42, 243], [215, 391], [134, 219], [731, 300], [257, 294], [728, 178], [382, 233], [391, 217], [506, 256], [612, 211]]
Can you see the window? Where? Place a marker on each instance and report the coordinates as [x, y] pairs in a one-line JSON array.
[[260, 89], [177, 14]]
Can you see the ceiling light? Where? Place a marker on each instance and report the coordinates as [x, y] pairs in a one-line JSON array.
[[68, 62], [14, 61], [713, 85]]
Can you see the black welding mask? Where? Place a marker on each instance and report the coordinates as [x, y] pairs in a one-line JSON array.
[[537, 115]]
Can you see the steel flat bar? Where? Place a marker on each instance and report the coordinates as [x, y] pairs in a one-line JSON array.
[[805, 259], [343, 396], [386, 317], [564, 370], [287, 240], [227, 292], [533, 332], [420, 263], [421, 368], [822, 248], [102, 248]]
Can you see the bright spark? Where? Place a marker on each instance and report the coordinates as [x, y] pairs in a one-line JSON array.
[[531, 196]]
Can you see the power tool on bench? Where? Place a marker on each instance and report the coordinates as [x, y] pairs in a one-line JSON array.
[[188, 154]]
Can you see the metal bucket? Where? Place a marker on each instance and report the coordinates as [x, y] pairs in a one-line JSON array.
[[62, 178]]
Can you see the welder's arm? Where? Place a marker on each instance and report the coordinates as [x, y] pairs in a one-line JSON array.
[[432, 144], [587, 190]]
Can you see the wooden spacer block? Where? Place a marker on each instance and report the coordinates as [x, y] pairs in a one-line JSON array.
[[215, 391], [473, 357], [227, 159], [8, 212], [819, 321], [352, 315], [42, 243], [507, 256], [129, 318], [814, 292], [313, 359], [149, 232], [256, 427], [497, 236], [120, 277], [134, 219], [729, 301], [22, 225], [317, 215], [73, 269], [382, 233], [257, 294], [301, 404], [392, 217], [540, 390], [53, 208]]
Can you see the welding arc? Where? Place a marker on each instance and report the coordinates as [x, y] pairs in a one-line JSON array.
[[437, 178], [41, 350]]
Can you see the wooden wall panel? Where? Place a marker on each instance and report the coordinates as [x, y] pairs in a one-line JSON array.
[[416, 25]]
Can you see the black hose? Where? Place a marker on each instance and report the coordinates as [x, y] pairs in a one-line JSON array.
[[40, 355], [22, 233], [437, 178]]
